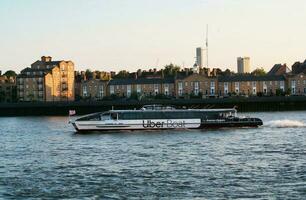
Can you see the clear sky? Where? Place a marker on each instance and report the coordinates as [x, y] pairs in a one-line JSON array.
[[131, 34]]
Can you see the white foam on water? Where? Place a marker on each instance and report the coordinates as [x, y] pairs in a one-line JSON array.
[[285, 124]]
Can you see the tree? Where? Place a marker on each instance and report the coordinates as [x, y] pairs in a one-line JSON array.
[[227, 72], [88, 74], [171, 69], [259, 72], [10, 73], [122, 74]]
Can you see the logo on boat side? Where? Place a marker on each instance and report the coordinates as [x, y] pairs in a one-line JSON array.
[[168, 124]]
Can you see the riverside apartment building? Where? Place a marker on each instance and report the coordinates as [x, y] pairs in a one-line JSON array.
[[47, 80]]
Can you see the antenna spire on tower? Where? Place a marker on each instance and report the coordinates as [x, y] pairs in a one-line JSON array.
[[206, 45]]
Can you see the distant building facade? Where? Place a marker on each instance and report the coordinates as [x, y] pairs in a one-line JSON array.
[[47, 80], [250, 85], [199, 57], [7, 88], [141, 87], [195, 85], [243, 65], [93, 89], [297, 84]]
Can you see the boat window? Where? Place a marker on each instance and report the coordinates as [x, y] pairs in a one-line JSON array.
[[105, 116], [113, 116], [95, 117]]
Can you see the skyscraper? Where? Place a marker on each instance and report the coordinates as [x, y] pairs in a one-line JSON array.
[[199, 57], [243, 65]]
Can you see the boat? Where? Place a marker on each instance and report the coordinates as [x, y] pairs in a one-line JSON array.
[[159, 117]]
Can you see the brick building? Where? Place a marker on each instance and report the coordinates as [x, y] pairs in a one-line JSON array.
[[47, 80], [250, 85], [141, 86], [94, 89], [7, 88], [195, 84], [296, 84]]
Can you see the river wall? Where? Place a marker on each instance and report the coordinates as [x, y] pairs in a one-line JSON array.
[[243, 104]]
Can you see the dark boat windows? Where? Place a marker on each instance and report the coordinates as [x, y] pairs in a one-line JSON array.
[[94, 117], [160, 115], [109, 116]]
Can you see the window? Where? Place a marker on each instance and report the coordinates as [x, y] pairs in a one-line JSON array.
[[264, 86], [138, 88], [166, 89], [156, 89], [254, 87], [101, 91], [111, 89], [212, 87], [186, 84], [196, 88], [85, 91], [212, 84], [293, 82], [180, 88], [237, 87], [128, 90], [226, 88]]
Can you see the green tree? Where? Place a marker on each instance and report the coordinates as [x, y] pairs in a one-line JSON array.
[[122, 74], [171, 69], [88, 74], [259, 72], [10, 73]]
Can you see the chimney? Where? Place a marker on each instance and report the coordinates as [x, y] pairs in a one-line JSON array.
[[46, 58], [186, 71]]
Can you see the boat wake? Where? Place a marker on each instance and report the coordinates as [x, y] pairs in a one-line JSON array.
[[285, 124]]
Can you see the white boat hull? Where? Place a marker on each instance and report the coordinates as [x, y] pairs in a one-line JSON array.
[[109, 125]]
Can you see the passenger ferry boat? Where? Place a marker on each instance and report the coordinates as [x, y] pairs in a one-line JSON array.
[[160, 117]]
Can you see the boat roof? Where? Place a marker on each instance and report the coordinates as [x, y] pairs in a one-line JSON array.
[[177, 110]]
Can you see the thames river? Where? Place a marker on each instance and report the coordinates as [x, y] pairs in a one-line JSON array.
[[43, 158]]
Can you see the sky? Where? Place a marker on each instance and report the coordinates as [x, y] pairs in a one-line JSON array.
[[113, 35]]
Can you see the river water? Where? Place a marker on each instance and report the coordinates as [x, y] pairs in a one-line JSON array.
[[43, 158]]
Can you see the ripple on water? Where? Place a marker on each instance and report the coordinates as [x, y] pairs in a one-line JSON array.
[[43, 158]]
